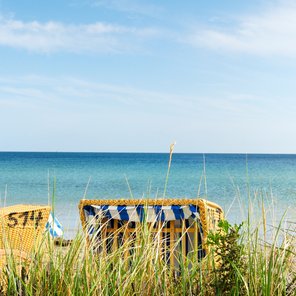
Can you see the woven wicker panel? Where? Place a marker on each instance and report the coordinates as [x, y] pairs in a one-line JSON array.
[[21, 227], [214, 215]]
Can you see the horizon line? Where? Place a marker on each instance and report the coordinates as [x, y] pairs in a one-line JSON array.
[[147, 152]]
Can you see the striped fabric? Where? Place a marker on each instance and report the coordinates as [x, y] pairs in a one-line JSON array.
[[54, 226], [141, 213]]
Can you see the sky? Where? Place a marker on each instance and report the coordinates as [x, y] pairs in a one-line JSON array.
[[134, 76]]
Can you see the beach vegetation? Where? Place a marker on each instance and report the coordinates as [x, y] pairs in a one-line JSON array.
[[239, 263]]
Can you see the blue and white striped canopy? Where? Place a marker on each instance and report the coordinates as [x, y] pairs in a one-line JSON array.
[[139, 213], [54, 226]]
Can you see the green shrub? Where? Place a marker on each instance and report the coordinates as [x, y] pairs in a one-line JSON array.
[[228, 255]]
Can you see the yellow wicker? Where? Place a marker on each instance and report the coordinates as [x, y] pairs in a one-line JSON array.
[[210, 215], [21, 227]]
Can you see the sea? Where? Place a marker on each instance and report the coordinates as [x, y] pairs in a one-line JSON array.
[[237, 182]]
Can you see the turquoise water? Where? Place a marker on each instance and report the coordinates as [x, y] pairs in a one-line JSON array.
[[24, 178]]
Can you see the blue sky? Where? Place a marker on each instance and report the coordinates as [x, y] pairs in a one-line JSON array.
[[99, 75]]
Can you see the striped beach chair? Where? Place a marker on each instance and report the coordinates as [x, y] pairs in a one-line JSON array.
[[183, 223], [21, 229]]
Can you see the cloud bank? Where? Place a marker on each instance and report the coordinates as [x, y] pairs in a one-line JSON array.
[[50, 37], [272, 32]]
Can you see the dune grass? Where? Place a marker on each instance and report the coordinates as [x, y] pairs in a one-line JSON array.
[[240, 263]]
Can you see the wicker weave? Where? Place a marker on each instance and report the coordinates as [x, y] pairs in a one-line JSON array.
[[210, 213], [20, 230]]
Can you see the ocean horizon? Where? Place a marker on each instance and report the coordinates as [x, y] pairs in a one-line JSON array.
[[228, 179]]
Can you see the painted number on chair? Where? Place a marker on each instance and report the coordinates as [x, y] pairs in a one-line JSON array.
[[23, 218]]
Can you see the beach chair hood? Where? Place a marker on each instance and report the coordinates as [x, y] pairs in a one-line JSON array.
[[140, 213]]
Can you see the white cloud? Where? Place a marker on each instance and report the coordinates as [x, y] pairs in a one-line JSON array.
[[82, 95], [71, 91], [52, 36], [272, 32], [66, 113]]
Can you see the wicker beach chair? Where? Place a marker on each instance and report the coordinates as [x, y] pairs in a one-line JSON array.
[[183, 223], [21, 227]]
